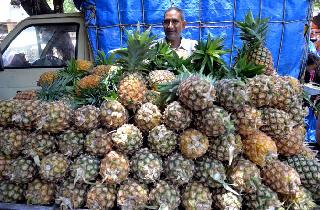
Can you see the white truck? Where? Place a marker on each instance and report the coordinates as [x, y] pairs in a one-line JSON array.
[[38, 44]]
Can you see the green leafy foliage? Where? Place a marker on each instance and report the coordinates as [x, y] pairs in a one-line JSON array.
[[207, 59], [102, 58]]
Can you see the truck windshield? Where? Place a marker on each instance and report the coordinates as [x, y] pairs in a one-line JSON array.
[[49, 45]]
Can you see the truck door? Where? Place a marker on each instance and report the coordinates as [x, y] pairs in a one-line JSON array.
[[36, 49]]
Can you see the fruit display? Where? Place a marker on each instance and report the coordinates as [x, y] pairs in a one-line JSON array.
[[213, 137]]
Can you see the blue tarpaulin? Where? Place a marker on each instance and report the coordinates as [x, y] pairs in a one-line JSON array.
[[107, 21]]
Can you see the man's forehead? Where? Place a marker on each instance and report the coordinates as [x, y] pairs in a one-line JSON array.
[[173, 14]]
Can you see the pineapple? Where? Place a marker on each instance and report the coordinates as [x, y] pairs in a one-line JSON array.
[[281, 177], [292, 142], [178, 170], [214, 121], [86, 118], [196, 197], [87, 83], [247, 120], [20, 170], [83, 65], [177, 117], [6, 111], [258, 147], [263, 198], [253, 33], [11, 193], [71, 143], [40, 192], [11, 141], [55, 117], [127, 138], [71, 195], [147, 117], [101, 70], [244, 176], [301, 200], [223, 199], [85, 168], [260, 90], [232, 94], [225, 148], [152, 96], [309, 171], [146, 166], [25, 114], [4, 163], [308, 153], [38, 145], [196, 93], [54, 167], [26, 95], [113, 114], [164, 195], [132, 195], [132, 87], [98, 142], [157, 77], [276, 122], [162, 141], [297, 112], [101, 196], [47, 78], [210, 172], [193, 144], [114, 168]]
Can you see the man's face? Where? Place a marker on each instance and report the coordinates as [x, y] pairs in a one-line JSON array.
[[173, 25]]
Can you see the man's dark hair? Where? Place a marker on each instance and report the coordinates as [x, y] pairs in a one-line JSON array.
[[176, 9], [316, 20]]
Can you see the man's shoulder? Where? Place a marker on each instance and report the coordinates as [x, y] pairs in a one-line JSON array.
[[188, 43]]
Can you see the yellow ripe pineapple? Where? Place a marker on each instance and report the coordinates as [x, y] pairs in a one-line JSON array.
[[101, 70], [87, 82], [83, 65], [292, 142], [258, 147], [26, 95], [47, 78], [253, 33], [193, 143]]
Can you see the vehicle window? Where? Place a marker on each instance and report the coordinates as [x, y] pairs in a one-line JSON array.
[[42, 46]]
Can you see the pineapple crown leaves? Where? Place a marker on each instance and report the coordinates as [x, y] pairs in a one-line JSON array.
[[134, 57], [253, 31], [56, 90], [207, 56], [102, 58]]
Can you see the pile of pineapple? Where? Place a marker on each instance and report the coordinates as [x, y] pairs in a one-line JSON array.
[[131, 136]]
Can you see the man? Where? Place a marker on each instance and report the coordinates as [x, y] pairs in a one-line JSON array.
[[173, 25]]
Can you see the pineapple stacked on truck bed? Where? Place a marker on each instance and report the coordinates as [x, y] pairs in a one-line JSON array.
[[196, 144]]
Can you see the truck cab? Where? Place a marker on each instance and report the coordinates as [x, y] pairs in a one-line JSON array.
[[39, 44]]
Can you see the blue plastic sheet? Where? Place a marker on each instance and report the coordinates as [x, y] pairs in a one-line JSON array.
[[107, 20]]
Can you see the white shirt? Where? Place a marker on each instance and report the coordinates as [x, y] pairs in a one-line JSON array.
[[186, 47]]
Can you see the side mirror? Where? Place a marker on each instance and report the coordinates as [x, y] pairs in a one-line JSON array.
[[1, 62]]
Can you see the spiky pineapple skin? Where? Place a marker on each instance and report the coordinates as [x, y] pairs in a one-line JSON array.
[[193, 143], [179, 170], [223, 199], [262, 56], [114, 168], [147, 117], [53, 167], [214, 122], [21, 170], [98, 142], [40, 192], [196, 196], [113, 114], [132, 195], [101, 196], [158, 77], [197, 94], [146, 166], [83, 65], [85, 168], [87, 83], [11, 141], [127, 138], [47, 78], [11, 193], [131, 91], [162, 140], [71, 143], [86, 118], [177, 117], [260, 89], [258, 146], [292, 142], [25, 114], [4, 163], [101, 70], [6, 111], [165, 195], [281, 177]]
